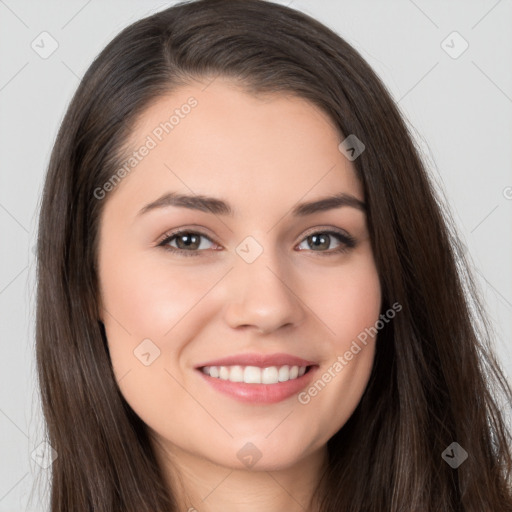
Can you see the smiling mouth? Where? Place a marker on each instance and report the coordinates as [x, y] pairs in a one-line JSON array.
[[255, 374]]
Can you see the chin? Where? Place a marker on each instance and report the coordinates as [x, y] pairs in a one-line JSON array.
[[260, 454]]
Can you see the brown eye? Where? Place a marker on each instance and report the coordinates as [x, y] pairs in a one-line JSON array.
[[188, 243], [321, 242]]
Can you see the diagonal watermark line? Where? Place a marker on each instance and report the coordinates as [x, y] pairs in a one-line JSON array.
[[14, 218], [4, 4], [118, 322], [207, 292], [301, 198], [75, 15], [492, 81], [418, 82], [156, 9], [492, 8], [285, 490], [79, 79], [484, 218], [18, 482], [215, 488], [13, 279], [14, 76], [496, 290], [210, 83], [301, 300], [14, 423], [126, 373], [199, 403], [219, 219], [291, 412], [424, 14]]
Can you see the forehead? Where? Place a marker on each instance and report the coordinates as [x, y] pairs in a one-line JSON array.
[[217, 139]]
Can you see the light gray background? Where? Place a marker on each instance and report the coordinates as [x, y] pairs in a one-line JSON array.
[[460, 108]]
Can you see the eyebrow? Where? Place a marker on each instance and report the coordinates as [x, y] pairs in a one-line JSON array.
[[220, 207]]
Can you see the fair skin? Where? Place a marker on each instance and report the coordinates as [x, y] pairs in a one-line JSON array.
[[263, 156]]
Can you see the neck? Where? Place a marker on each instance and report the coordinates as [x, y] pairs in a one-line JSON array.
[[203, 486]]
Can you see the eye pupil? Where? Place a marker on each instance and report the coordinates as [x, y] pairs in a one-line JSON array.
[[188, 241], [319, 241]]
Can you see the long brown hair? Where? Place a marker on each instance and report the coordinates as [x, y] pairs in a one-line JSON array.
[[435, 379]]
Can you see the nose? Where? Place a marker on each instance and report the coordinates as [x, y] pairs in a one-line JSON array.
[[262, 295]]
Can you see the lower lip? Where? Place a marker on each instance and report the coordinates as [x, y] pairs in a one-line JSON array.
[[260, 393]]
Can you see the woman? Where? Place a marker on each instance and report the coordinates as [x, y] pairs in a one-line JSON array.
[[321, 349]]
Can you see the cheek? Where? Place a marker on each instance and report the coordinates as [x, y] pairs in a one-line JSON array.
[[147, 297], [147, 308], [346, 301], [351, 309], [152, 309]]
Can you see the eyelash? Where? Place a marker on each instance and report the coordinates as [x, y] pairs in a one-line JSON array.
[[347, 242]]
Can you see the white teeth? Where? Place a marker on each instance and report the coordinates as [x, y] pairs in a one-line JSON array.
[[255, 374], [252, 375], [236, 374], [269, 375], [284, 373]]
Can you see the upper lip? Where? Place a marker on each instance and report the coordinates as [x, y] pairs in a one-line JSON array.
[[260, 360]]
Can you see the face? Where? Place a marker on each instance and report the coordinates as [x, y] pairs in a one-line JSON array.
[[231, 339]]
